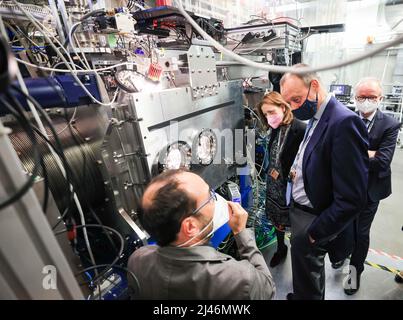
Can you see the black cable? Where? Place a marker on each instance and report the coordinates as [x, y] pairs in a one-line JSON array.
[[68, 168], [69, 174], [59, 152], [62, 155], [46, 118], [45, 187], [237, 45], [78, 143], [93, 13], [37, 159], [106, 228], [55, 136], [87, 15]]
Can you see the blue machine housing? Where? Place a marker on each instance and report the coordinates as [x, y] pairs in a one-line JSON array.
[[58, 92]]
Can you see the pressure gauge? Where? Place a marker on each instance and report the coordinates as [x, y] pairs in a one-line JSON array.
[[206, 147], [176, 155], [126, 79]]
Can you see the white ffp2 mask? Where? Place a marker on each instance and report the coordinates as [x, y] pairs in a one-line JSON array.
[[220, 217], [367, 106]]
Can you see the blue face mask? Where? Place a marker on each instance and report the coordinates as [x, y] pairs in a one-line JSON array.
[[308, 109]]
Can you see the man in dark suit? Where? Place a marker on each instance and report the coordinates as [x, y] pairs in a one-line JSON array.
[[383, 131], [328, 180]]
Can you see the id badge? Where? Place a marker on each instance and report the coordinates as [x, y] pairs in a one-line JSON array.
[[274, 174], [293, 173]]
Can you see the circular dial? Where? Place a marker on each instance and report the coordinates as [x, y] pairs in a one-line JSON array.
[[126, 79], [206, 147], [177, 155]]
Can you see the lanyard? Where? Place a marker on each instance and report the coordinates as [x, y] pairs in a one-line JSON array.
[[371, 124], [307, 137], [280, 148]]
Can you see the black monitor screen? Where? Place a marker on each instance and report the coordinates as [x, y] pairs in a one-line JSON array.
[[340, 89]]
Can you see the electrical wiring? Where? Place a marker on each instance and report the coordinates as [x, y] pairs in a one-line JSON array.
[[105, 228], [308, 34], [396, 24], [37, 108], [258, 18], [85, 62], [122, 243], [45, 187], [75, 182], [284, 69], [79, 143], [29, 183], [18, 32], [73, 118], [71, 35], [262, 167], [93, 13], [285, 17], [61, 154], [10, 11], [75, 71], [68, 175], [100, 290], [237, 45], [46, 33], [261, 45], [53, 72], [255, 114], [116, 266], [35, 22], [139, 6]]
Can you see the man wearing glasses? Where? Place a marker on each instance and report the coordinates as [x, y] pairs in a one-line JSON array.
[[181, 213], [383, 131]]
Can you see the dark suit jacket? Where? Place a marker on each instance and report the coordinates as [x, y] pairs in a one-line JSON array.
[[291, 146], [335, 173], [382, 139]]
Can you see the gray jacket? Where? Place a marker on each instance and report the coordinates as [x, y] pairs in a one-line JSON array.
[[201, 272]]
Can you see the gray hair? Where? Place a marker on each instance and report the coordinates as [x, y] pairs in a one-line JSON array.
[[306, 78], [367, 80]]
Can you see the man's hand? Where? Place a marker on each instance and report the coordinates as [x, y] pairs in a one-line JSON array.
[[371, 153], [237, 217]]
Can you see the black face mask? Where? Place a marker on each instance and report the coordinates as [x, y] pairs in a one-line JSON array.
[[308, 109]]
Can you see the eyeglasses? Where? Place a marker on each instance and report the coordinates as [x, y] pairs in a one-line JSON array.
[[363, 98], [212, 195]]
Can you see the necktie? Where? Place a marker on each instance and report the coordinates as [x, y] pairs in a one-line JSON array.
[[366, 121]]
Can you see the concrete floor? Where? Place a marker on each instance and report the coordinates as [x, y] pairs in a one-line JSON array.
[[386, 236]]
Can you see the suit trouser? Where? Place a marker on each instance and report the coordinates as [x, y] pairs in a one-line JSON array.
[[362, 244], [308, 260]]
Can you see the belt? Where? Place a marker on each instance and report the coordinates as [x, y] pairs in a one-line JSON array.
[[306, 209]]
